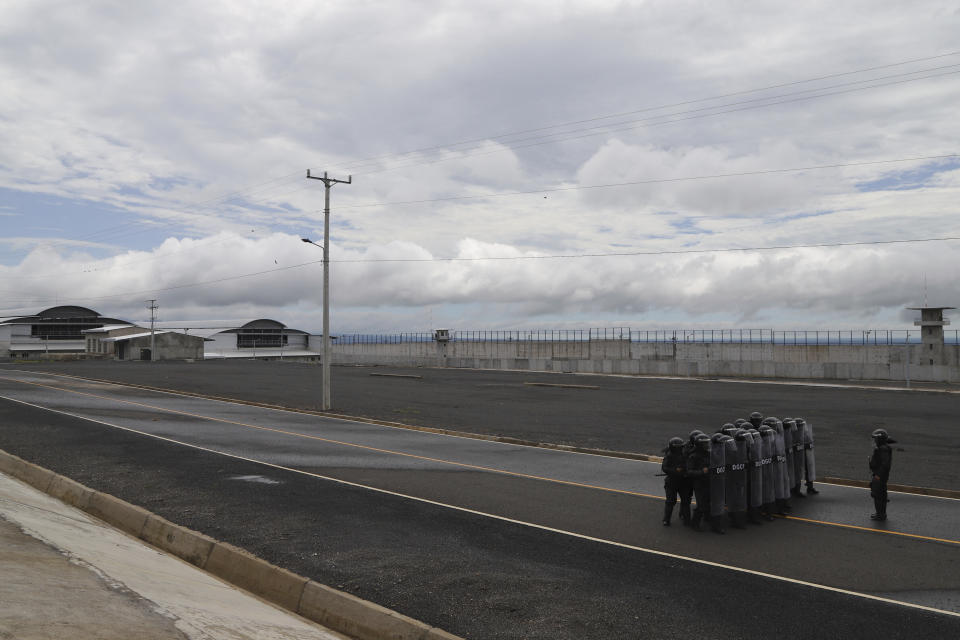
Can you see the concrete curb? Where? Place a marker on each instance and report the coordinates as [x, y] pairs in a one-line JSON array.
[[902, 488], [336, 610]]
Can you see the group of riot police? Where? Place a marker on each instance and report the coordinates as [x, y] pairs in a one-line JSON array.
[[744, 473]]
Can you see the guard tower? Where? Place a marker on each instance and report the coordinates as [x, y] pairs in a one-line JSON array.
[[931, 324]]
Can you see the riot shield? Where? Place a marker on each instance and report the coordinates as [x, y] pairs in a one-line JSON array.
[[789, 426], [797, 454], [755, 468], [781, 489], [736, 451], [717, 475], [810, 463], [769, 486]]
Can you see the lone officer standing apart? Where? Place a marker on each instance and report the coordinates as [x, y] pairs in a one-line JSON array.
[[880, 462]]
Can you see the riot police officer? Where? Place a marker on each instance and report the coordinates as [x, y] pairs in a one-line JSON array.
[[754, 475], [718, 480], [756, 419], [737, 479], [880, 462], [809, 461], [675, 472], [780, 481], [698, 470], [768, 483]]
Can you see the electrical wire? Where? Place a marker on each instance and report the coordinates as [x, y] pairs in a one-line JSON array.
[[651, 181], [651, 122], [648, 109]]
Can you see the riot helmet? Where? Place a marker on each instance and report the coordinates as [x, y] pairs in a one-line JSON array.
[[880, 436], [739, 422], [694, 434], [703, 442], [740, 435], [756, 418], [675, 443]]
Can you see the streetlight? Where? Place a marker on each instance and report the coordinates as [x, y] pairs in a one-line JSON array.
[[325, 363]]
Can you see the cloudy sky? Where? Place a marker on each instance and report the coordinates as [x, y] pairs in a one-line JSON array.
[[659, 164]]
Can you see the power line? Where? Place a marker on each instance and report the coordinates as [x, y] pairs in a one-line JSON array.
[[118, 231], [648, 109], [651, 181], [650, 122], [206, 244]]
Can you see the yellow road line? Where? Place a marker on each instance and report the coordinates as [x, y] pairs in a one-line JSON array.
[[453, 463], [871, 529], [341, 442]]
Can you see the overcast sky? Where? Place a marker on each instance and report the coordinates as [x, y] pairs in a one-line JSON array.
[[159, 150]]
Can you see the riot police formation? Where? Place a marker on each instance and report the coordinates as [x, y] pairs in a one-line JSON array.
[[748, 470], [880, 462]]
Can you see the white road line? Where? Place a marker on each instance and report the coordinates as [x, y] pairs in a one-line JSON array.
[[506, 519]]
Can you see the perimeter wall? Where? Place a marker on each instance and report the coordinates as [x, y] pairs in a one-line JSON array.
[[912, 362]]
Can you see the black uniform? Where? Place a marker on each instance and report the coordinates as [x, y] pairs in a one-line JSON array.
[[698, 470], [675, 477], [880, 462]]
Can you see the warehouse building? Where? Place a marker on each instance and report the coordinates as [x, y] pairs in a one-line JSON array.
[[53, 332], [263, 338], [130, 342]]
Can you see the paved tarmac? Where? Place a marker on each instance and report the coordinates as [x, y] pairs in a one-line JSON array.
[[559, 539], [622, 413], [68, 575]]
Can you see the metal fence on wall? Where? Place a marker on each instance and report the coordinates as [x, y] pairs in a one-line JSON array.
[[686, 336]]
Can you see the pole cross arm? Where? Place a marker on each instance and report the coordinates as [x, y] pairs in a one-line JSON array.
[[329, 181]]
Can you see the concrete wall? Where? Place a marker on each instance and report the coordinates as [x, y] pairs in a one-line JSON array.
[[169, 346], [826, 362]]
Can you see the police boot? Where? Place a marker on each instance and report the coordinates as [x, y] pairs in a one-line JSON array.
[[765, 512], [695, 521], [752, 516], [811, 490], [716, 525], [667, 512], [785, 505], [795, 491], [738, 519], [685, 513]]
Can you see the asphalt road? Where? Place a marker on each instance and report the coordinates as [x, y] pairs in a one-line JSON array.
[[473, 574], [631, 414]]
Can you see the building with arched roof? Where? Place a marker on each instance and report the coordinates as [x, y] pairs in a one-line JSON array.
[[262, 338], [57, 330]]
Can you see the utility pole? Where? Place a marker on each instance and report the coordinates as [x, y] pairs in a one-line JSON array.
[[327, 183], [153, 316]]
